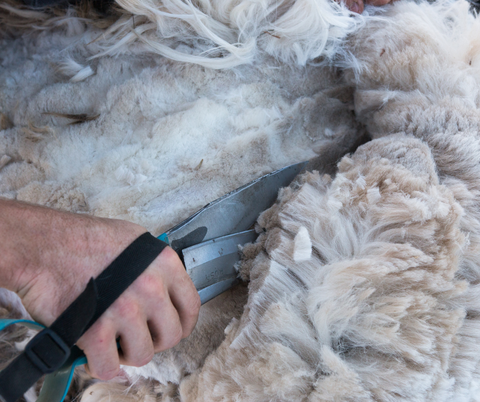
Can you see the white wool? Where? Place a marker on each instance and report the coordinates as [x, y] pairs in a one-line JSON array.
[[31, 395], [155, 127], [27, 14], [4, 160], [11, 301], [20, 346], [373, 195], [211, 33], [77, 72], [299, 31], [302, 247]]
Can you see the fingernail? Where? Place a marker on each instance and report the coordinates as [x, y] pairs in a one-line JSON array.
[[355, 8]]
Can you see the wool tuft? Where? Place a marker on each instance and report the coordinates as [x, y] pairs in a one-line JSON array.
[[302, 247]]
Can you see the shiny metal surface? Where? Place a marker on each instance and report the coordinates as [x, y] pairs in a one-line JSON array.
[[234, 212], [213, 261], [212, 291]]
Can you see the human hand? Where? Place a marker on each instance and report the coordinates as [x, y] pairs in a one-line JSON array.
[[51, 255], [155, 312]]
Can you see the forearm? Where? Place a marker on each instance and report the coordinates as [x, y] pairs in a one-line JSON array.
[[39, 244], [20, 223]]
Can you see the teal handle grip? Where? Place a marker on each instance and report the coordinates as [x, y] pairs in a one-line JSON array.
[[56, 385], [4, 323], [164, 238]]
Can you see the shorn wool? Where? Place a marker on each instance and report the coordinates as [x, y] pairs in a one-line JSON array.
[[364, 282]]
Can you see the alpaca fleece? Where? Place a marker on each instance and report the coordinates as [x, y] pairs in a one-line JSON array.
[[373, 313], [363, 285], [151, 139]]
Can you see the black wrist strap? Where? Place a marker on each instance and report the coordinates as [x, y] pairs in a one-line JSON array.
[[50, 348]]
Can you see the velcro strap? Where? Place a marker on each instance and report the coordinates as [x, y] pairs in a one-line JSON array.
[[127, 267], [50, 348]]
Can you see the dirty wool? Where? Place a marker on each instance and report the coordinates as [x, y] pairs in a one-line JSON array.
[[364, 284]]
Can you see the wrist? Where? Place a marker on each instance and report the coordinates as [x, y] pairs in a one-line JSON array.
[[50, 255]]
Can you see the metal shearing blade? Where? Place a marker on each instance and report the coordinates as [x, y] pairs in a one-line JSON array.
[[213, 261], [216, 289], [234, 212]]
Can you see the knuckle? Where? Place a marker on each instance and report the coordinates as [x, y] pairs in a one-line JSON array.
[[150, 284], [170, 257], [162, 296], [127, 308]]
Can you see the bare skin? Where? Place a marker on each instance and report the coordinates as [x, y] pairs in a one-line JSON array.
[[357, 6], [48, 257]]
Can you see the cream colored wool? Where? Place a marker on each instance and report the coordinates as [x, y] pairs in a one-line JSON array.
[[373, 314], [364, 286], [436, 99]]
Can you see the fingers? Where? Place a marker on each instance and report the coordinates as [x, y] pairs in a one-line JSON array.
[[136, 345], [171, 300], [156, 311], [100, 347], [165, 328], [183, 295]]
